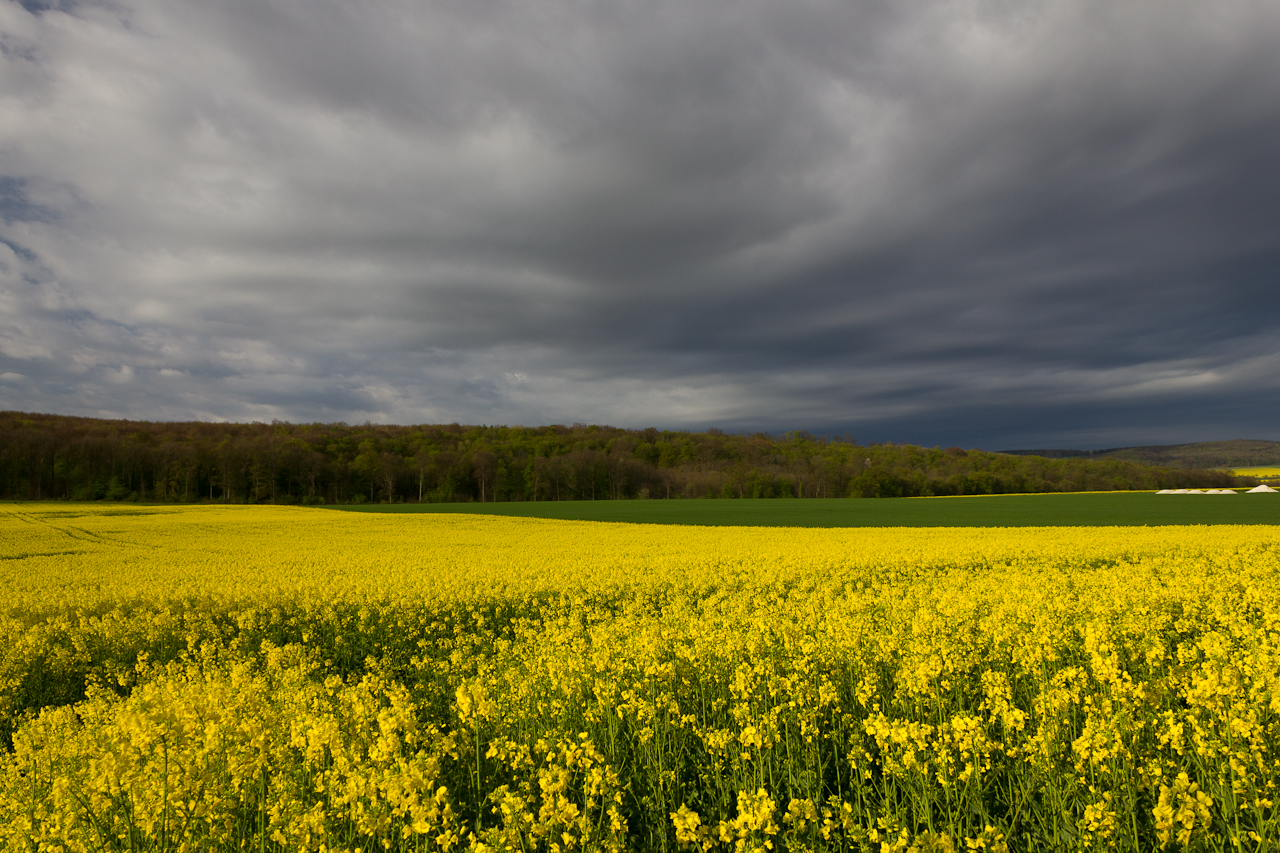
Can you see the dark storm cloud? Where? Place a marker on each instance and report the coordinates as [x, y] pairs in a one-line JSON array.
[[977, 222]]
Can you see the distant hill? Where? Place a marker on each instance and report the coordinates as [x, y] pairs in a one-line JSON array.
[[1237, 453], [1058, 453]]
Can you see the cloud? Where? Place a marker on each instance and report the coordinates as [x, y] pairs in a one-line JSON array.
[[938, 222]]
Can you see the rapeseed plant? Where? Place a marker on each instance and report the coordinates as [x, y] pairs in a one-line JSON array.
[[262, 678]]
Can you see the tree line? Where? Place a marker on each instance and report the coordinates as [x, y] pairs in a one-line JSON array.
[[57, 457]]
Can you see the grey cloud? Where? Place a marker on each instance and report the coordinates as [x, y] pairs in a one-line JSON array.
[[16, 205], [1022, 224]]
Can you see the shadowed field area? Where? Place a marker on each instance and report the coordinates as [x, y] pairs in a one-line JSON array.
[[1051, 510]]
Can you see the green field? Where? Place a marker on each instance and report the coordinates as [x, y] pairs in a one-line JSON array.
[[1047, 510]]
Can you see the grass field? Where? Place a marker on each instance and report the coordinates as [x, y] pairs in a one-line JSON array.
[[1049, 510], [267, 678]]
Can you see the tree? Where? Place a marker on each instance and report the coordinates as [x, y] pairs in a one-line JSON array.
[[366, 464], [389, 465], [423, 462], [483, 463]]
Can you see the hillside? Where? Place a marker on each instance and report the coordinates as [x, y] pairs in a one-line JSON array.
[[69, 458], [1238, 453]]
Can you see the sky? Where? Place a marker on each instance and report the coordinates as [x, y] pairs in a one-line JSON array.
[[989, 224]]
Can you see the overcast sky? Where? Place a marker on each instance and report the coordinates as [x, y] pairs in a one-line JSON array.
[[994, 224]]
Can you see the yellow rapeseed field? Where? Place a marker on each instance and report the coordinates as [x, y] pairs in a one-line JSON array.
[[271, 678], [1263, 472]]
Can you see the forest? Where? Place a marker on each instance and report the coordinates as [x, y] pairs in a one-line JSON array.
[[58, 457]]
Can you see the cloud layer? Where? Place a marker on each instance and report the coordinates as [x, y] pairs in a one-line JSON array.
[[962, 222]]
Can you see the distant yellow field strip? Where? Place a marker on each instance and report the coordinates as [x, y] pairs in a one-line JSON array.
[[1267, 471]]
